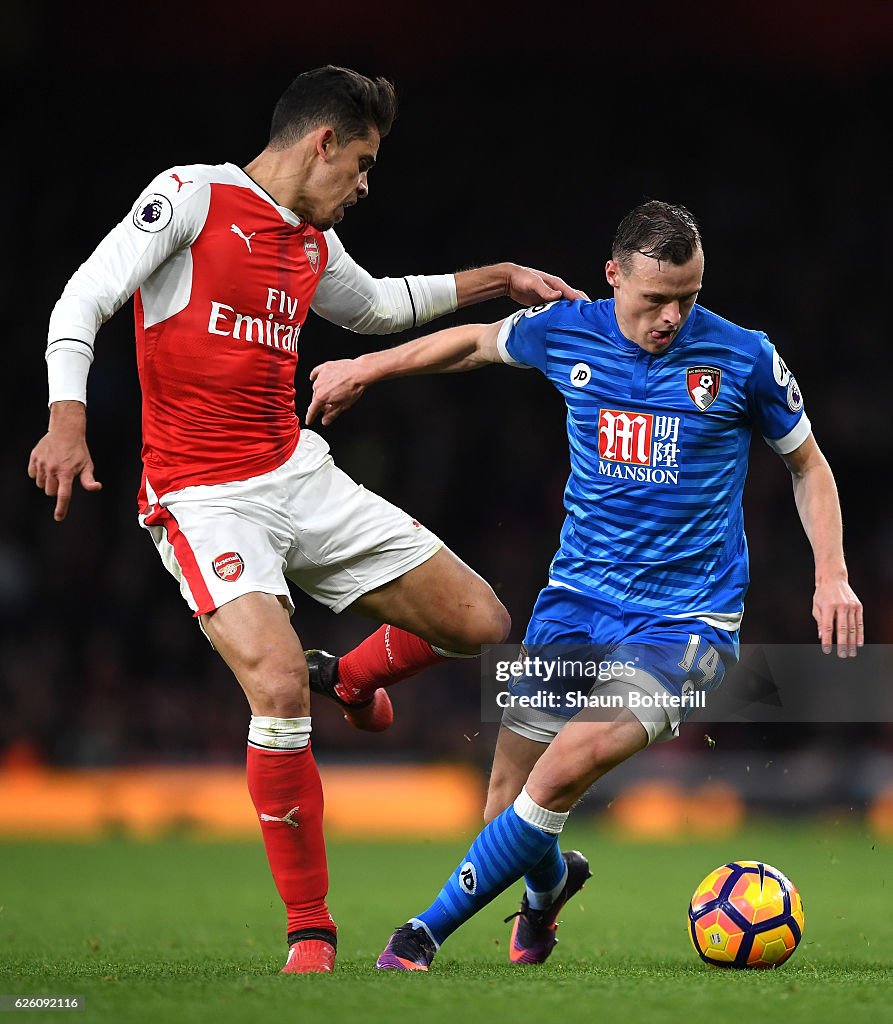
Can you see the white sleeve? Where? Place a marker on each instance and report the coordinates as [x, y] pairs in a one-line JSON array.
[[350, 296], [167, 217]]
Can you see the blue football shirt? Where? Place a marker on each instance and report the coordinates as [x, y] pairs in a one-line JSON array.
[[658, 451]]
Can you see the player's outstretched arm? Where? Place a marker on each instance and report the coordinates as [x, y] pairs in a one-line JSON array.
[[61, 456], [836, 609], [350, 296], [523, 284], [339, 383]]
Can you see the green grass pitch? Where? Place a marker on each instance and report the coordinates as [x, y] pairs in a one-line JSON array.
[[189, 931]]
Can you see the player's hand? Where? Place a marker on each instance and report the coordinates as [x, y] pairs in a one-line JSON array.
[[61, 456], [530, 287], [336, 386], [838, 614]]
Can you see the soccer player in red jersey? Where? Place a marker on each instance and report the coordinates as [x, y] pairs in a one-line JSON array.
[[225, 263]]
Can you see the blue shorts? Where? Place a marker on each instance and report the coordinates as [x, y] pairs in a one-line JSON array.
[[645, 661]]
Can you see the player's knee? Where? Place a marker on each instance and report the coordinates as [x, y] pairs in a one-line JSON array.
[[282, 693], [501, 624], [488, 623], [557, 794], [560, 783]]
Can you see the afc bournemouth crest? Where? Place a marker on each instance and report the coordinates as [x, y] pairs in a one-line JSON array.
[[228, 566], [703, 383], [311, 248]]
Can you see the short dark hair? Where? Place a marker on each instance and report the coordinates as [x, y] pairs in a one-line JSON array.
[[351, 103], [660, 230]]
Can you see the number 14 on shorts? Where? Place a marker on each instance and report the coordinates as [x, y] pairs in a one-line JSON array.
[[708, 663]]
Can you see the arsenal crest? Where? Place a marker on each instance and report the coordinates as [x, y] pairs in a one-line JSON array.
[[311, 248], [703, 384], [228, 566]]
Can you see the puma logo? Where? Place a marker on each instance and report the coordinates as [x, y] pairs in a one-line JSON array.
[[181, 183], [288, 819], [236, 230]]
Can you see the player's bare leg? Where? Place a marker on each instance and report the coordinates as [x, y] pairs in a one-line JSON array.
[[579, 755], [254, 637], [438, 610], [443, 601], [513, 761]]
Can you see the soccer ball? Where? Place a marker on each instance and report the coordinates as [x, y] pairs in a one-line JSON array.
[[745, 914]]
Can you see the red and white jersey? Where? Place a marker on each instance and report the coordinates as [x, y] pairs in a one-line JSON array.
[[224, 279]]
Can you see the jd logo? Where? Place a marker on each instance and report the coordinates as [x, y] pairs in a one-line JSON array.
[[580, 375]]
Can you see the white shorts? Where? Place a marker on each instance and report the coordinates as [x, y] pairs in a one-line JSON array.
[[306, 522], [660, 724]]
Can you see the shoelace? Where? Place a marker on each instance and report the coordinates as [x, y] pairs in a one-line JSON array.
[[528, 911]]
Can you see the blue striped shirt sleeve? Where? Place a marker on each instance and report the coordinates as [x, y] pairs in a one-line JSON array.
[[523, 337], [776, 402]]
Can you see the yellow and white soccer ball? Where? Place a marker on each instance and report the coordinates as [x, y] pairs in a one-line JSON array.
[[746, 914]]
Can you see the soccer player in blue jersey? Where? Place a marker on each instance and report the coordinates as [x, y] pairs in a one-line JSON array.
[[662, 396]]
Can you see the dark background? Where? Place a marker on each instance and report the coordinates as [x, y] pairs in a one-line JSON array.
[[523, 135]]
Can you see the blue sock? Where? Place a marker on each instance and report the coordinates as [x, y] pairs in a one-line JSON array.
[[509, 846], [546, 880]]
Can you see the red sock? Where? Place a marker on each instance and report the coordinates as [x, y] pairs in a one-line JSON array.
[[286, 785], [382, 659]]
